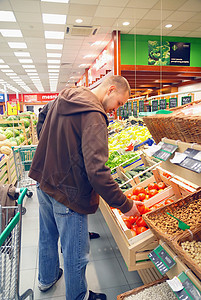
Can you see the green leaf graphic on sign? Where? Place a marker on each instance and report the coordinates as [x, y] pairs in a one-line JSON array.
[[174, 47]]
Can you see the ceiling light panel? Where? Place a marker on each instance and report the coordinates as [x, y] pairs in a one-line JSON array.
[[4, 67], [56, 1], [54, 46], [11, 32], [53, 54], [53, 61], [54, 19], [59, 35], [28, 66], [22, 54], [25, 61], [54, 67], [17, 45], [7, 16]]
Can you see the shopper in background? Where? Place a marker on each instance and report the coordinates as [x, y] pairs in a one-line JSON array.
[[69, 165]]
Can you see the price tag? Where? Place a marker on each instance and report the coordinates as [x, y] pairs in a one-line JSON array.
[[121, 111], [185, 100], [191, 164], [125, 110], [148, 108], [162, 155], [162, 103], [154, 105], [129, 108], [141, 106], [191, 152], [190, 291], [169, 147], [135, 109], [172, 102], [118, 112], [161, 259]]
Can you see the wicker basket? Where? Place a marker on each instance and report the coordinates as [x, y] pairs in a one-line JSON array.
[[195, 234], [176, 126], [140, 289], [169, 234]]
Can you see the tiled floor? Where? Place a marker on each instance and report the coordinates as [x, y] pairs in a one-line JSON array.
[[106, 271]]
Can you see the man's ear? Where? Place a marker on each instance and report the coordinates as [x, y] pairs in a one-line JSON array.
[[111, 89]]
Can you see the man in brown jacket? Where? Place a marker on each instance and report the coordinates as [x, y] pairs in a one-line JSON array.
[[69, 165]]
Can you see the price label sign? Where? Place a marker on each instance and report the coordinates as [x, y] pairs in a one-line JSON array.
[[161, 259], [191, 164], [148, 108], [118, 112], [154, 105], [129, 108], [162, 103], [121, 111], [141, 106], [135, 109], [125, 110], [185, 100], [172, 102], [12, 108], [190, 291]]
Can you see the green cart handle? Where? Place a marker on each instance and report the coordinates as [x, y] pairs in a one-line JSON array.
[[23, 192]]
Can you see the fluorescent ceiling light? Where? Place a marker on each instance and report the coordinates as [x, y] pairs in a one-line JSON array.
[[53, 61], [54, 19], [125, 23], [4, 67], [54, 67], [54, 35], [54, 71], [7, 16], [168, 25], [56, 1], [89, 56], [11, 32], [25, 61], [52, 74], [1, 61], [11, 74], [82, 65], [28, 66], [53, 54], [54, 46], [6, 70], [96, 43], [79, 21], [17, 45], [22, 54]]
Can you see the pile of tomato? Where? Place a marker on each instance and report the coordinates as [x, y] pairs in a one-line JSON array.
[[136, 224]]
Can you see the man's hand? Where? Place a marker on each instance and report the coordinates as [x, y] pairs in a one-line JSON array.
[[134, 211]]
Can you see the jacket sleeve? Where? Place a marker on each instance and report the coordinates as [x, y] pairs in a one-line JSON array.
[[95, 154], [41, 119]]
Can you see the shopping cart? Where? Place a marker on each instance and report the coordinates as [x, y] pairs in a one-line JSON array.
[[10, 246], [23, 156]]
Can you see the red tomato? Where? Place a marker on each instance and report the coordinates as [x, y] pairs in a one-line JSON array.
[[127, 222], [146, 210], [141, 209], [140, 222], [146, 197], [132, 219], [168, 201], [147, 191], [141, 229], [141, 196], [153, 192], [160, 190], [135, 198], [161, 185], [129, 196], [133, 232], [137, 190], [152, 186], [134, 227]]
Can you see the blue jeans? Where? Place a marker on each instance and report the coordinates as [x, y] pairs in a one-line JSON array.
[[56, 220]]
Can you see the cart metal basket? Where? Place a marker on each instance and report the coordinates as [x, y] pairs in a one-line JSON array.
[[10, 247], [23, 156]]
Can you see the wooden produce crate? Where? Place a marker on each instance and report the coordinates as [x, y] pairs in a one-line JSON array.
[[180, 266], [4, 171], [7, 170], [165, 227], [140, 289], [189, 236], [17, 124], [135, 250]]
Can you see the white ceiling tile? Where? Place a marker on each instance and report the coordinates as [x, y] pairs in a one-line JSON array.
[[102, 21], [140, 31], [155, 14], [181, 16], [195, 18], [86, 21], [191, 5], [28, 17], [133, 13], [82, 10], [93, 2], [189, 26], [142, 3], [25, 6], [179, 33], [169, 4], [108, 11], [9, 25], [195, 34], [148, 24], [5, 5], [113, 3], [59, 8]]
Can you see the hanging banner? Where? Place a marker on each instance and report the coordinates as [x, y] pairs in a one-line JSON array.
[[168, 53], [2, 98], [39, 97]]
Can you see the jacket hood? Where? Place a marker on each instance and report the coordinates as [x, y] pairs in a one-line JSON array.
[[78, 100]]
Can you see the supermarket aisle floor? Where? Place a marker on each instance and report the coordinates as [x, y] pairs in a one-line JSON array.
[[106, 271]]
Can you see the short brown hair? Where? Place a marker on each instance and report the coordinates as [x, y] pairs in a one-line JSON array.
[[119, 81]]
